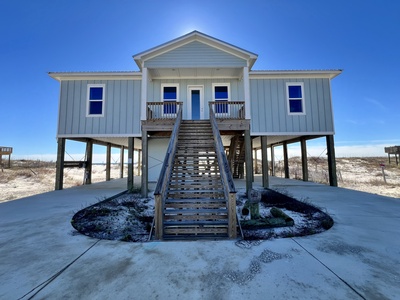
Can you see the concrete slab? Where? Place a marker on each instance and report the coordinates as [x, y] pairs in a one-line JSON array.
[[42, 257]]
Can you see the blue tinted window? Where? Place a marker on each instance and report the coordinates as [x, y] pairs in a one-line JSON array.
[[96, 93], [295, 106], [295, 91], [221, 92], [95, 107], [170, 93]]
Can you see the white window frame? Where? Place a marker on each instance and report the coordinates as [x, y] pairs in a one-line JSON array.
[[227, 100], [89, 86], [303, 106], [163, 85]]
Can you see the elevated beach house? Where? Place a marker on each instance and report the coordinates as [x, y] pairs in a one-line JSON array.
[[195, 110]]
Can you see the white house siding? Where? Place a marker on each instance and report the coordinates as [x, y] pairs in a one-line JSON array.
[[157, 150], [195, 54], [236, 90], [121, 109], [269, 111]]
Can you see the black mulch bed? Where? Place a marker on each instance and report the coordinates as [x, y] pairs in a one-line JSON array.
[[129, 218], [309, 219]]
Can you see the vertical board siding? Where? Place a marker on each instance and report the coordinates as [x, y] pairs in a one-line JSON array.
[[195, 54], [328, 107], [269, 107], [121, 108]]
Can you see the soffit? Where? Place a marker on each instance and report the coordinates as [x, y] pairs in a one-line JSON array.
[[189, 73]]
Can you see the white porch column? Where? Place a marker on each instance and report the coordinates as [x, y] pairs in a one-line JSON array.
[[145, 80], [246, 85]]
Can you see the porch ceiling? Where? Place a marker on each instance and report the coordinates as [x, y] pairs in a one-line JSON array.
[[159, 73]]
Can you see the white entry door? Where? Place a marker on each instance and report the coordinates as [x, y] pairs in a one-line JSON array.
[[195, 103]]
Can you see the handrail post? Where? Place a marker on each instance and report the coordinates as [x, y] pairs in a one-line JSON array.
[[232, 232], [158, 216]]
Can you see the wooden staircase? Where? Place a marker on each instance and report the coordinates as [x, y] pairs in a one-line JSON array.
[[237, 156], [195, 204]]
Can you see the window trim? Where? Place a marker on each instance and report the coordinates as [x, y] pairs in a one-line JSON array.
[[88, 101], [228, 85], [301, 84]]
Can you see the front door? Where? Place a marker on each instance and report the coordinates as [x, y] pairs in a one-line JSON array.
[[196, 106]]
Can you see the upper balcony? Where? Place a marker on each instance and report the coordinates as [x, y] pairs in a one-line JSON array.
[[230, 115]]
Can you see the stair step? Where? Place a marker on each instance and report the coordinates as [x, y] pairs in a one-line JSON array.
[[196, 136], [197, 162], [198, 154], [194, 131], [218, 191], [204, 205], [197, 148], [195, 196], [208, 142], [195, 177], [194, 218], [195, 167], [190, 173], [196, 229], [185, 184], [195, 203], [195, 211], [220, 223]]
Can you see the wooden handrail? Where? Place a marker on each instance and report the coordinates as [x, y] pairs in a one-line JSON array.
[[165, 174], [226, 175], [222, 159]]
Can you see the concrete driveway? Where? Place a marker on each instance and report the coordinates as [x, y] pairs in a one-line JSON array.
[[42, 257]]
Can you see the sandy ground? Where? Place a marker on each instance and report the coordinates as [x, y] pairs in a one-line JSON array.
[[26, 178]]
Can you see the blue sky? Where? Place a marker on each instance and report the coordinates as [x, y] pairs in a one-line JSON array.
[[362, 37]]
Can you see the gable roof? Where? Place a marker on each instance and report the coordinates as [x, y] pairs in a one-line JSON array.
[[141, 57]]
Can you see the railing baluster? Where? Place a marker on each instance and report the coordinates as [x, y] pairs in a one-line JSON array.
[[228, 109], [162, 110]]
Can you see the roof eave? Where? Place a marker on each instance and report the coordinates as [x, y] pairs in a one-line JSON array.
[[59, 76], [297, 73]]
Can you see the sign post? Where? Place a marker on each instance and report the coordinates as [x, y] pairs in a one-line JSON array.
[[383, 171]]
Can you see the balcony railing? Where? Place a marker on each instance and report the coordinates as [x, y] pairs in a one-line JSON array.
[[162, 110], [228, 109], [234, 110]]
